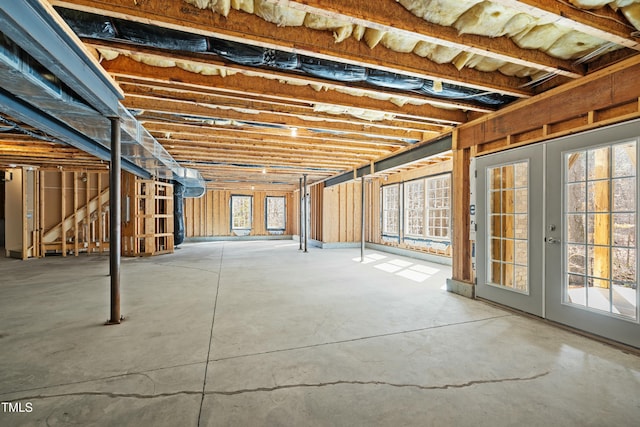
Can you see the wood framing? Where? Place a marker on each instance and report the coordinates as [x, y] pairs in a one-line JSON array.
[[210, 215], [74, 219], [246, 28], [148, 222], [605, 97]]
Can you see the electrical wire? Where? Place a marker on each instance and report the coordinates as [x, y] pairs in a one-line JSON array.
[[15, 126], [610, 18]]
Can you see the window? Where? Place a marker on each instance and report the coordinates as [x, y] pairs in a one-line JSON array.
[[414, 205], [438, 206], [508, 224], [241, 212], [391, 209], [276, 213], [600, 210]]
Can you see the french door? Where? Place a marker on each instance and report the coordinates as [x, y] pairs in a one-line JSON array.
[[557, 231], [509, 250]]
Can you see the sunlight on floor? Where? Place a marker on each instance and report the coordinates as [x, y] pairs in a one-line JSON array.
[[409, 270]]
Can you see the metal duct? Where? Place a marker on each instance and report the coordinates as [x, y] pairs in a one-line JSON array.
[[75, 121]]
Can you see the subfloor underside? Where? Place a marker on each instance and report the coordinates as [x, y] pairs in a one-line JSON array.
[[262, 334]]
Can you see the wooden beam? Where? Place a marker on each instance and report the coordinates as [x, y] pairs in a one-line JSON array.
[[250, 29], [149, 104], [196, 60], [608, 87], [389, 16], [461, 256], [332, 122], [261, 157], [177, 145], [603, 23], [319, 127], [166, 132], [240, 83]]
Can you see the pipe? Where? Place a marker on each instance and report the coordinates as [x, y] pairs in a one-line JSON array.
[[306, 237], [300, 214], [115, 242], [362, 222]]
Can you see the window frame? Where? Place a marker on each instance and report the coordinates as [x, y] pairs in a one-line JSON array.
[[284, 213], [384, 210], [250, 219], [405, 213], [446, 208]]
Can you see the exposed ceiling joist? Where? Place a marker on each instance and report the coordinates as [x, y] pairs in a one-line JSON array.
[[386, 15], [247, 28], [239, 83], [333, 126], [603, 23]]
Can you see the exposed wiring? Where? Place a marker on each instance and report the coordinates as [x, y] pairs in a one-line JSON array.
[[595, 53], [15, 126], [610, 18], [7, 129], [540, 80]]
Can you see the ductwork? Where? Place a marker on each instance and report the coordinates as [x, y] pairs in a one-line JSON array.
[[33, 77], [105, 28]]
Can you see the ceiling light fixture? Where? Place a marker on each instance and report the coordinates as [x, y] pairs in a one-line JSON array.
[[294, 131]]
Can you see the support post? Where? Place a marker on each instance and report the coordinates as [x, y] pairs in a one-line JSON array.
[[306, 237], [301, 200], [362, 208], [462, 279], [115, 241]]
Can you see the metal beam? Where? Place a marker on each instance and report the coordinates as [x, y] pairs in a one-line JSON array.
[[115, 238], [362, 194], [306, 214], [421, 151], [411, 155], [36, 27], [26, 113], [300, 213]]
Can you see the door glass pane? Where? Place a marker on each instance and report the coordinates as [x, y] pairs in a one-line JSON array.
[[508, 195], [600, 229], [575, 292], [576, 228]]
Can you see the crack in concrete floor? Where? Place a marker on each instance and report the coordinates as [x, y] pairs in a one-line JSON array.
[[239, 356], [284, 387]]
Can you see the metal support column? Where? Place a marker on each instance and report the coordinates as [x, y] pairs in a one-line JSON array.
[[362, 222], [300, 213], [115, 241], [306, 214]]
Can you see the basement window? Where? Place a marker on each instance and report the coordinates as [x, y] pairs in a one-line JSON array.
[[241, 208], [438, 206], [276, 213], [427, 208], [414, 204], [391, 210]]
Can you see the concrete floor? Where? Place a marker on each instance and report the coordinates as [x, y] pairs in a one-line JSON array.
[[260, 334]]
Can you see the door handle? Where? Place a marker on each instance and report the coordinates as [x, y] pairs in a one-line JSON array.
[[552, 240]]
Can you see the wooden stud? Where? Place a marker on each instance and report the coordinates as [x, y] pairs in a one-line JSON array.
[[41, 218], [76, 246], [63, 232], [461, 257]]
